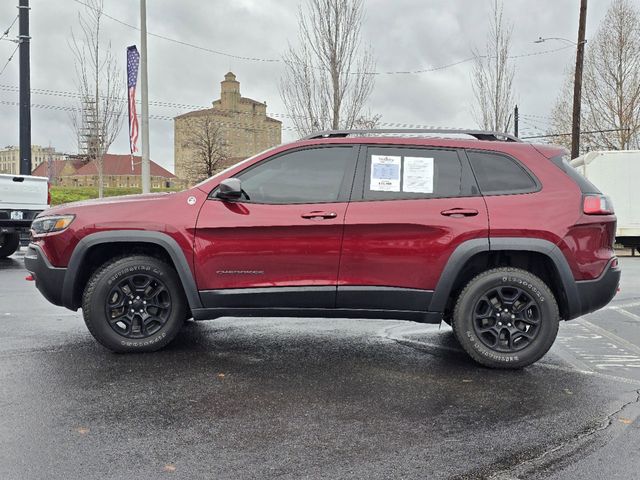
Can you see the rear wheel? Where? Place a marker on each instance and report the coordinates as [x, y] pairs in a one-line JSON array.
[[134, 304], [9, 243], [506, 318]]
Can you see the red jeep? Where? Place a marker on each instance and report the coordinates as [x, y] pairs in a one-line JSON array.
[[499, 238]]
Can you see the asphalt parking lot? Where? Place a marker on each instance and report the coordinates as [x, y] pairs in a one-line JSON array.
[[313, 398]]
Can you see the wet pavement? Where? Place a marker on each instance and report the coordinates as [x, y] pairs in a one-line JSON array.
[[313, 398]]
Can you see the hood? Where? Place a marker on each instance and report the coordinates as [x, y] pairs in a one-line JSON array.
[[140, 197]]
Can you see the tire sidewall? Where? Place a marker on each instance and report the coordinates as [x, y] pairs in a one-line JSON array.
[[548, 323], [9, 244], [96, 316]]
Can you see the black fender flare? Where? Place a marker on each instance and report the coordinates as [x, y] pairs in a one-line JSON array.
[[468, 249], [130, 236]]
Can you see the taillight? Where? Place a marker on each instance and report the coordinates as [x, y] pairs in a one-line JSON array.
[[48, 193], [597, 205]]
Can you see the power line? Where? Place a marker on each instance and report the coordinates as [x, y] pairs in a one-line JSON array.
[[68, 108], [10, 58], [6, 32], [540, 117], [181, 42], [581, 133], [279, 60]]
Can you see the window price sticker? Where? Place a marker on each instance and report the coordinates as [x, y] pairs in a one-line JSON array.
[[385, 173]]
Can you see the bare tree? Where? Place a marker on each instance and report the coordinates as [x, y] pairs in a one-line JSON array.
[[561, 115], [98, 119], [328, 77], [611, 86], [612, 78], [208, 147], [492, 76]]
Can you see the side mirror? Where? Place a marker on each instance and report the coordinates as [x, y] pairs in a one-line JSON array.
[[229, 189]]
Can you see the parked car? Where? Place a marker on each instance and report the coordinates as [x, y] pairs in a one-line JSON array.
[[22, 197], [497, 237], [615, 172]]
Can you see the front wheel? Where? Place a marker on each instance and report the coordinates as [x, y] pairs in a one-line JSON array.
[[506, 318], [134, 304]]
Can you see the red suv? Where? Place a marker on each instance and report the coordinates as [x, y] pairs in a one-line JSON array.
[[499, 238]]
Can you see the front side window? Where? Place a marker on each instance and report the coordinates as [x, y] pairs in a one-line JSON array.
[[408, 173], [303, 176], [498, 174]]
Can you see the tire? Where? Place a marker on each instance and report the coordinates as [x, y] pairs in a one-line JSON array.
[[134, 304], [506, 318], [9, 243]]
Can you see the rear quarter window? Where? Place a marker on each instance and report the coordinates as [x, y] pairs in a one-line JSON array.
[[499, 174]]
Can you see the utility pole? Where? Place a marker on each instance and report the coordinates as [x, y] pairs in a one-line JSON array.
[[25, 88], [144, 97], [577, 85], [516, 118]]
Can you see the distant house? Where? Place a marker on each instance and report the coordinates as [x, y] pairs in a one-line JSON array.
[[117, 172]]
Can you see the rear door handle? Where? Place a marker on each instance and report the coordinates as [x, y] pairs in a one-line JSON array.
[[319, 215], [459, 212]]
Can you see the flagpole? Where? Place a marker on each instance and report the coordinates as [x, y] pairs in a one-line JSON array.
[[144, 97]]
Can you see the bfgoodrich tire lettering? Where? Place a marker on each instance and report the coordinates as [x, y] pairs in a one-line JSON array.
[[506, 318], [134, 304]]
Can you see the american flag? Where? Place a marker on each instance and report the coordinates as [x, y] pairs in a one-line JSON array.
[[133, 60]]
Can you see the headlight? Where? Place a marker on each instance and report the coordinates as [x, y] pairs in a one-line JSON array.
[[53, 223]]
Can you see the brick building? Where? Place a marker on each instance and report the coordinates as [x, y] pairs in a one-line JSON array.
[[244, 126], [117, 172]]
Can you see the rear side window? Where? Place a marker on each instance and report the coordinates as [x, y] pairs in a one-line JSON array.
[[394, 173], [585, 185], [499, 174]]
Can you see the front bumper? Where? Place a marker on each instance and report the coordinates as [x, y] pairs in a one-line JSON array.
[[595, 294], [49, 279]]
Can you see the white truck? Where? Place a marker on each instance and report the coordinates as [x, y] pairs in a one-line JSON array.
[[22, 197], [617, 174]]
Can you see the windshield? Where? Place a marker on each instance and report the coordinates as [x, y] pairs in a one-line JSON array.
[[246, 160]]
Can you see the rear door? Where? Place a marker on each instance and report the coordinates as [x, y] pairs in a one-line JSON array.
[[411, 208], [278, 246]]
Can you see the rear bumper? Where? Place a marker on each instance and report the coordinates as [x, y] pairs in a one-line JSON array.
[[595, 294], [49, 279]]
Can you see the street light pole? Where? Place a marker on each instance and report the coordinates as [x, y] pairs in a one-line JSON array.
[[577, 83], [144, 98]]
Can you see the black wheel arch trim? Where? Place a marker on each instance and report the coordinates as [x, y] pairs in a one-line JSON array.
[[129, 236], [468, 249]]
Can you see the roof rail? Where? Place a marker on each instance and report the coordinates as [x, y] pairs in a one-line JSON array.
[[478, 134]]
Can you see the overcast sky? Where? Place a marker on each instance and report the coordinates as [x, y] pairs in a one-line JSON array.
[[404, 35]]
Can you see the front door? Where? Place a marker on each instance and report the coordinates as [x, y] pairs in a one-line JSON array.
[[279, 245]]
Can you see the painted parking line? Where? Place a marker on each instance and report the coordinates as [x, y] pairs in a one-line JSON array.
[[626, 313], [599, 350]]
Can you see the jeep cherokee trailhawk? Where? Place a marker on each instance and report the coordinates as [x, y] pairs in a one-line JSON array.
[[499, 238]]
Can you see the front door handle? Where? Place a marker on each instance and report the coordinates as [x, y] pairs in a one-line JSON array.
[[319, 215], [459, 212]]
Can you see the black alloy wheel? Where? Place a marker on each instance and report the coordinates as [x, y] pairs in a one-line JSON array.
[[506, 319], [138, 306], [134, 304]]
